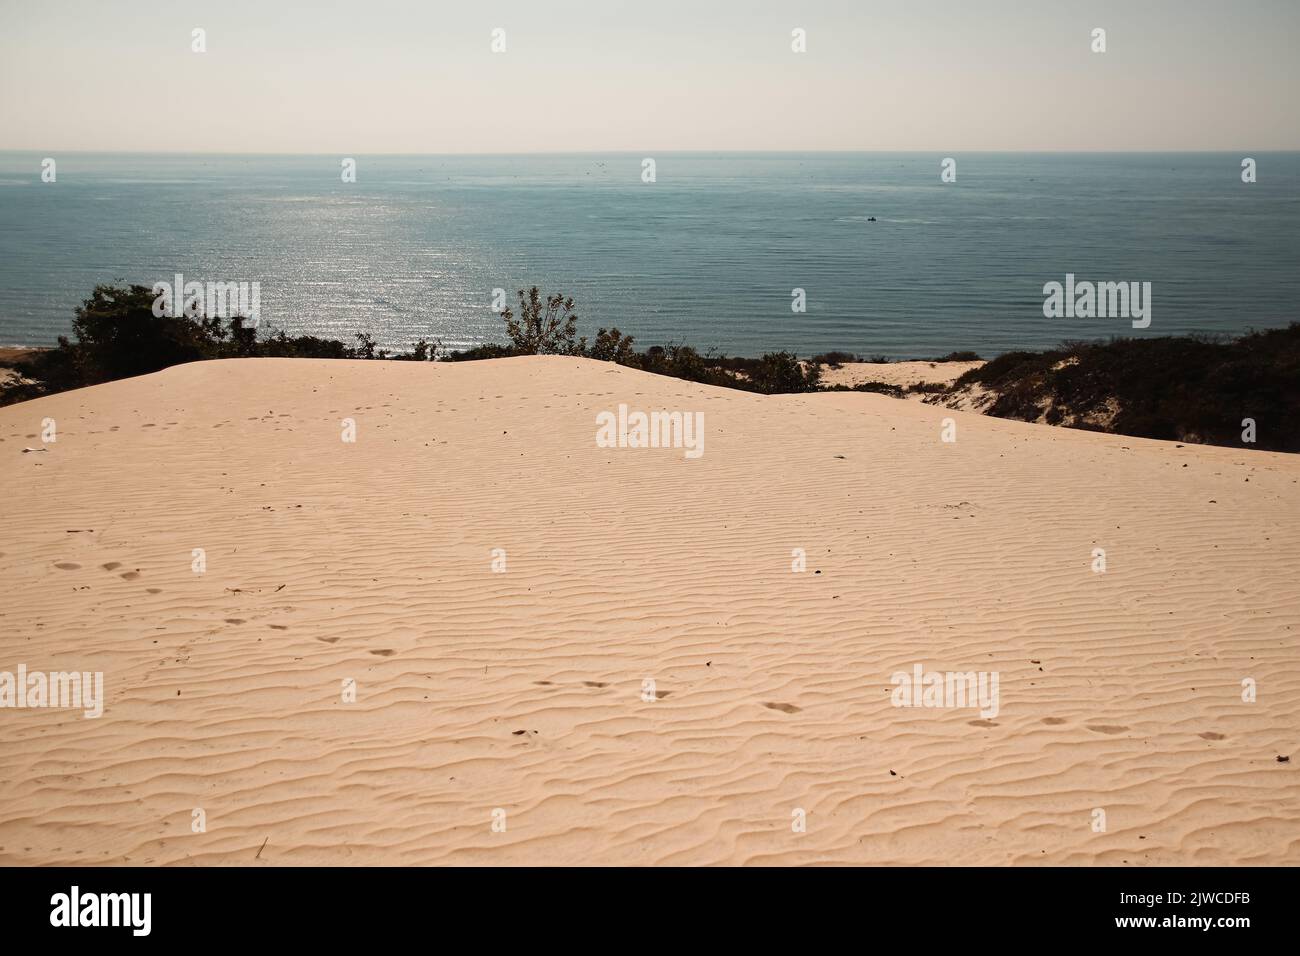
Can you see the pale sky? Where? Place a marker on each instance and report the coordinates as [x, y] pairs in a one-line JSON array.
[[419, 76]]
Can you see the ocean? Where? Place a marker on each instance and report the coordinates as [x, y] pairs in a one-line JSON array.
[[891, 260]]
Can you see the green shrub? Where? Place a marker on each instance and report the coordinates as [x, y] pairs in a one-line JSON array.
[[1181, 388], [835, 359], [782, 372], [881, 388], [116, 335], [489, 350], [548, 328], [611, 345]]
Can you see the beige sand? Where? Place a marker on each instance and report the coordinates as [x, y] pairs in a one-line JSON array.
[[901, 374], [522, 690]]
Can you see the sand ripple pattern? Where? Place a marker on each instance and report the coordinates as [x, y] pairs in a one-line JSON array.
[[523, 691]]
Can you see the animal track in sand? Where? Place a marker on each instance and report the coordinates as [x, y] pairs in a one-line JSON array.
[[384, 652], [1106, 728], [234, 620], [129, 575], [327, 640], [1054, 720], [981, 723], [111, 566], [783, 708], [594, 683], [67, 566], [1211, 735]]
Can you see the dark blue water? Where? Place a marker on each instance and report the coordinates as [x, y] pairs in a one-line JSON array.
[[707, 255]]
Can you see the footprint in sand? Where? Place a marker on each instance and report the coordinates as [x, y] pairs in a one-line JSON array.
[[783, 708], [384, 652], [67, 566], [154, 590], [328, 640], [282, 627], [981, 723], [1054, 720], [234, 620], [1211, 735], [111, 566], [129, 575], [595, 683], [1106, 728]]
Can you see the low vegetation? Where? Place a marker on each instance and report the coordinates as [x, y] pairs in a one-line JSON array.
[[116, 334], [1180, 388], [1191, 389]]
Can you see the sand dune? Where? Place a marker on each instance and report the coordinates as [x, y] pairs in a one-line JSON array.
[[371, 561], [902, 374]]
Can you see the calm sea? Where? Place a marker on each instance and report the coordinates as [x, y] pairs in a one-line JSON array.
[[707, 255]]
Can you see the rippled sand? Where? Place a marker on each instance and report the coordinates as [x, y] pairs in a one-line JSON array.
[[524, 692]]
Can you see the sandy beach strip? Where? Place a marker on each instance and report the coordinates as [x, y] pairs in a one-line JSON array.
[[901, 374], [502, 717]]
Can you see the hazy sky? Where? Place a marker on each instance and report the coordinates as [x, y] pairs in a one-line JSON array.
[[377, 76]]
